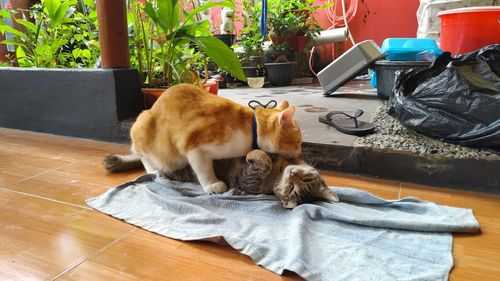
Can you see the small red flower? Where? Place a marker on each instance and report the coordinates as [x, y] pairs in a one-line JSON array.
[[8, 6]]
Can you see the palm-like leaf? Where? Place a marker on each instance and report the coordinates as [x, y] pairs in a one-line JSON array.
[[151, 12], [5, 28], [221, 54], [168, 13]]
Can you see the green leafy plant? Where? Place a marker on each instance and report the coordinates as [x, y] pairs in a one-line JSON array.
[[294, 17], [252, 46], [162, 30], [58, 33]]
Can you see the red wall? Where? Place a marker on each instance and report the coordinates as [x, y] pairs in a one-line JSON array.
[[375, 19]]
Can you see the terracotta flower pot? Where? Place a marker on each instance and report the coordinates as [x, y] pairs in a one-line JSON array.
[[278, 39], [211, 86], [151, 95], [298, 42]]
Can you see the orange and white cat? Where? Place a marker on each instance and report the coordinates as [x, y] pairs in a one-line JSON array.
[[186, 125]]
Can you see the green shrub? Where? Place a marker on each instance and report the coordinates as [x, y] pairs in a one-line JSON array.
[[58, 33]]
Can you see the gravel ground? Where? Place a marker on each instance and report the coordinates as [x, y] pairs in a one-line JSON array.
[[390, 134]]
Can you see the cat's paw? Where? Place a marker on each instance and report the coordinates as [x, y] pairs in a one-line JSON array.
[[218, 187], [293, 171], [258, 156]]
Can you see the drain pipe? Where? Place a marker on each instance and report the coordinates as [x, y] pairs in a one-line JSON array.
[[331, 36]]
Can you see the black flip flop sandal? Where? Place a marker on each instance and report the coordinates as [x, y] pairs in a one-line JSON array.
[[348, 124]]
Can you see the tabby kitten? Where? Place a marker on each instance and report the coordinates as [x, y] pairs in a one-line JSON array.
[[187, 126], [292, 181]]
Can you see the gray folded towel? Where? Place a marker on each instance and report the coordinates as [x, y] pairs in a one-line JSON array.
[[363, 237]]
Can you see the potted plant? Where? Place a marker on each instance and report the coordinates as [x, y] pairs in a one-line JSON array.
[[250, 44], [251, 56], [292, 28], [161, 37], [292, 21], [281, 70]]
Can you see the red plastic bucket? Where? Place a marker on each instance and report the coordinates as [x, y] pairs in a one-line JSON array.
[[467, 29]]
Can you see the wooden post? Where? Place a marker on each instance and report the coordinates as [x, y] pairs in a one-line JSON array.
[[113, 35], [3, 50]]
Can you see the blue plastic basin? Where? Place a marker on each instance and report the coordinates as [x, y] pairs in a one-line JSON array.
[[406, 49]]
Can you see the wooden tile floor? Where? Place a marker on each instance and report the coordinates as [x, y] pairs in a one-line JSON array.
[[47, 232]]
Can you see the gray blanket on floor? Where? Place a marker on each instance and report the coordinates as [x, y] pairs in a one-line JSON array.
[[361, 238]]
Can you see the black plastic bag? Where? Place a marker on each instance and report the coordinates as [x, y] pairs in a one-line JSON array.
[[456, 99]]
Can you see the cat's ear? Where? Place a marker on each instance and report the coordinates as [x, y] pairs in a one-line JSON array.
[[283, 105], [285, 118], [324, 192]]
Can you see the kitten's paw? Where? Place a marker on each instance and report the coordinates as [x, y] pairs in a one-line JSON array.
[[293, 171], [111, 162], [218, 187]]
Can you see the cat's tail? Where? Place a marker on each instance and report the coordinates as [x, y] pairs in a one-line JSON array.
[[116, 163]]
